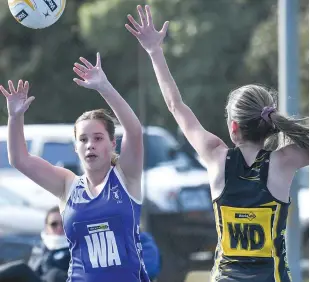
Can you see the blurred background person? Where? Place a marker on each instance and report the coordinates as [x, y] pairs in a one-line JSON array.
[[151, 255], [50, 259]]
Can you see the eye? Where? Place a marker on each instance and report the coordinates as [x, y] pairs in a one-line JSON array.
[[98, 138], [83, 140]]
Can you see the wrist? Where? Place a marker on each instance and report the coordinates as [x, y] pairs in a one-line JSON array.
[[155, 52], [105, 88], [15, 117]]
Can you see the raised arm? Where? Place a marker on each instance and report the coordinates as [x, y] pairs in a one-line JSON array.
[[52, 178], [203, 141], [131, 157]]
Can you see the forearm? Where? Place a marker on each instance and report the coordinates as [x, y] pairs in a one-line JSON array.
[[17, 148], [165, 80], [121, 109]]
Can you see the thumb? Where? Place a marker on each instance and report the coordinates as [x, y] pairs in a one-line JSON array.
[[165, 28], [28, 102], [80, 82]]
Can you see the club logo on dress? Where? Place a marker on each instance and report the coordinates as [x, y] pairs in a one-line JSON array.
[[116, 194]]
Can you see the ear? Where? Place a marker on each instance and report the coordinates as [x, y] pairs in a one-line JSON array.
[[234, 127], [114, 144], [75, 148]]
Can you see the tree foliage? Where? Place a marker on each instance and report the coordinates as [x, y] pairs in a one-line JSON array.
[[212, 47]]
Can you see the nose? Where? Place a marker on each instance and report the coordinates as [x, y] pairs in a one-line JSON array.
[[90, 145], [60, 230]]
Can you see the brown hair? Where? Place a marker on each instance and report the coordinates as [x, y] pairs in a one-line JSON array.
[[246, 106], [50, 211], [103, 116]]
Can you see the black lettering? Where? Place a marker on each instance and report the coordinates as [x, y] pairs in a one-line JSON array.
[[238, 233], [257, 237], [248, 236]]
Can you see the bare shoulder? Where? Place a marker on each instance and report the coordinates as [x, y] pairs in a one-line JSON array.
[[216, 164], [216, 170], [71, 180], [131, 185], [218, 155], [291, 157], [283, 165]]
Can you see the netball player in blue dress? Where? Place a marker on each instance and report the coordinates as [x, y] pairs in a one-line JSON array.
[[249, 184], [101, 209]]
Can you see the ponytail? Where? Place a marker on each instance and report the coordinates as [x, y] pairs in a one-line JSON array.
[[114, 159], [291, 130]]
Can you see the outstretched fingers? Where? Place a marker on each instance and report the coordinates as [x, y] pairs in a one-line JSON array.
[[142, 16], [86, 63], [79, 72], [4, 92], [81, 68], [134, 23], [26, 87], [80, 82], [20, 86], [11, 87], [131, 30], [149, 16], [98, 63]]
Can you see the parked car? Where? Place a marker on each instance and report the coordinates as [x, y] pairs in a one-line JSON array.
[[177, 207], [17, 246], [16, 215], [20, 226], [53, 143]]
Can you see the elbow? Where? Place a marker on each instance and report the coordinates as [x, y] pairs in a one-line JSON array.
[[14, 162], [135, 131], [139, 132], [136, 128], [17, 161]]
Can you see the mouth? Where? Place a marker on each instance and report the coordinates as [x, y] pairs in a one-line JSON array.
[[91, 157]]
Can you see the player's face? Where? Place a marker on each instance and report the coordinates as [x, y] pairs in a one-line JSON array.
[[54, 224], [93, 144]]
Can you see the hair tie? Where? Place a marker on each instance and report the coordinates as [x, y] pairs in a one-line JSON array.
[[265, 114]]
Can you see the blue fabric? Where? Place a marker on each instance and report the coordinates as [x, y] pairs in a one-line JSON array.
[[151, 255], [103, 234]]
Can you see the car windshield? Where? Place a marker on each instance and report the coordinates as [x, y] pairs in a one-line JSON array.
[[4, 162], [61, 154], [159, 150]]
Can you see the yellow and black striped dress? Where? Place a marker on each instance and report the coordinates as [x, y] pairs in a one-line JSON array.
[[250, 224]]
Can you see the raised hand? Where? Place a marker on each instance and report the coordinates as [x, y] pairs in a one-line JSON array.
[[93, 76], [149, 38], [17, 101]]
